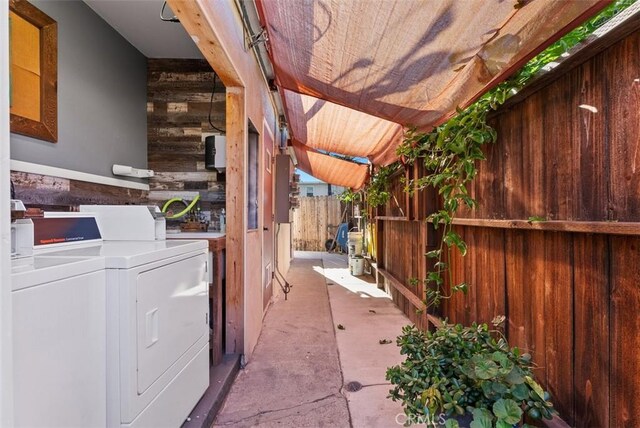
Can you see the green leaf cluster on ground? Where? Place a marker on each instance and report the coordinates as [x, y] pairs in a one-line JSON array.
[[460, 370]]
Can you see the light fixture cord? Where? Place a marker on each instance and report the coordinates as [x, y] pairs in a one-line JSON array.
[[211, 104], [174, 19]]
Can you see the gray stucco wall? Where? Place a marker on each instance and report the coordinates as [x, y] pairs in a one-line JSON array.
[[102, 96]]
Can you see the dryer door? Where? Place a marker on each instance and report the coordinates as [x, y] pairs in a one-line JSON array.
[[171, 314]]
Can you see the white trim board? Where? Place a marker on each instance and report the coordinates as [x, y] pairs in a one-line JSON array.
[[6, 352], [53, 171]]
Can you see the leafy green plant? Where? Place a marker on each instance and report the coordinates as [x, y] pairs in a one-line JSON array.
[[349, 196], [377, 191], [459, 371]]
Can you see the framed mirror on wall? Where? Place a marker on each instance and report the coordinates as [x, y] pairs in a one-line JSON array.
[[33, 58]]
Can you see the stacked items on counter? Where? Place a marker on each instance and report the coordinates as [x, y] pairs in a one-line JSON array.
[[356, 260]]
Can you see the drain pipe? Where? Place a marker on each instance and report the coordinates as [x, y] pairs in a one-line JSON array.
[[257, 43]]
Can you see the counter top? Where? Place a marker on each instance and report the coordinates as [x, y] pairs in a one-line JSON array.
[[195, 235]]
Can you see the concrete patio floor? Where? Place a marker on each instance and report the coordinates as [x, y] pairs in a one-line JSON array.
[[303, 368]]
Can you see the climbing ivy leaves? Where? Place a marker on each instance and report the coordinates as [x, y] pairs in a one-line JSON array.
[[451, 151]]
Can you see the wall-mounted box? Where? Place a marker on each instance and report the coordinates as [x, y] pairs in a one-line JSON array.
[[215, 152], [284, 172]]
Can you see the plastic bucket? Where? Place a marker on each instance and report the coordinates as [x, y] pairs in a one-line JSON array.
[[356, 266], [354, 244]]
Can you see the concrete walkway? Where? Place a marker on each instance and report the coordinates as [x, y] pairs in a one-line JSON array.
[[304, 370]]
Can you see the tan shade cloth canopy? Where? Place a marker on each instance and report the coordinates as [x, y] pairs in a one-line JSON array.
[[409, 61], [330, 169], [351, 133]]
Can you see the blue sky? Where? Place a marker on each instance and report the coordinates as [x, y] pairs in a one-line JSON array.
[[306, 178]]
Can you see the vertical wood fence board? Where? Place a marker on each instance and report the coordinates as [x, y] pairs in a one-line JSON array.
[[558, 321], [535, 301], [591, 330], [557, 118], [510, 129], [515, 283], [534, 157], [471, 275], [625, 332], [590, 161], [490, 183], [623, 83], [489, 280]]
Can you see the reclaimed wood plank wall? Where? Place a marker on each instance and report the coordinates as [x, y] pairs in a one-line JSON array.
[[315, 221], [62, 194], [178, 103], [568, 152]]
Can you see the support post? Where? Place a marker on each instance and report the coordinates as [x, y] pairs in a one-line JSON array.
[[236, 219]]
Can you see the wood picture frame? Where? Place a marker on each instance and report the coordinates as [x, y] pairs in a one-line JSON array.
[[34, 70]]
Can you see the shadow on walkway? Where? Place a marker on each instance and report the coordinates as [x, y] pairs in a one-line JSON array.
[[295, 376]]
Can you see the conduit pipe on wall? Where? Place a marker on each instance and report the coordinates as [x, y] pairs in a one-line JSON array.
[[250, 20]]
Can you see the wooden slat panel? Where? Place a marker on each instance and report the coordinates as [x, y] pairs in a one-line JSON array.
[[558, 321], [178, 103], [510, 129], [558, 190], [532, 196], [489, 184], [404, 290], [623, 84], [602, 227], [625, 333], [515, 283], [315, 221], [591, 330], [489, 281], [61, 194], [590, 162]]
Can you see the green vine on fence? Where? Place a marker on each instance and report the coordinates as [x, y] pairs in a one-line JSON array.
[[450, 153]]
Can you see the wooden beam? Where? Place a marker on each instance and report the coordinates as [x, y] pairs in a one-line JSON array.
[[393, 218], [193, 16], [235, 206], [604, 227], [402, 289]]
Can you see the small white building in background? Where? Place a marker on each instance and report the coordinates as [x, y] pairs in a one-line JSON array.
[[319, 188], [311, 186]]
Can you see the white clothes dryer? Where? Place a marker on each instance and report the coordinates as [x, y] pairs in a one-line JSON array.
[[157, 328]]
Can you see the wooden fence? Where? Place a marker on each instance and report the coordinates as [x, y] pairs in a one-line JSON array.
[[315, 221], [569, 286]]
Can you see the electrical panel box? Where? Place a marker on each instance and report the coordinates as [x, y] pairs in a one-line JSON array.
[[286, 196]]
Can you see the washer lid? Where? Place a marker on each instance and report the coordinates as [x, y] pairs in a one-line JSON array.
[[128, 254], [31, 271]]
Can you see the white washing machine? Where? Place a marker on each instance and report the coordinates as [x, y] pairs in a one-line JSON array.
[[59, 341], [157, 328]]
